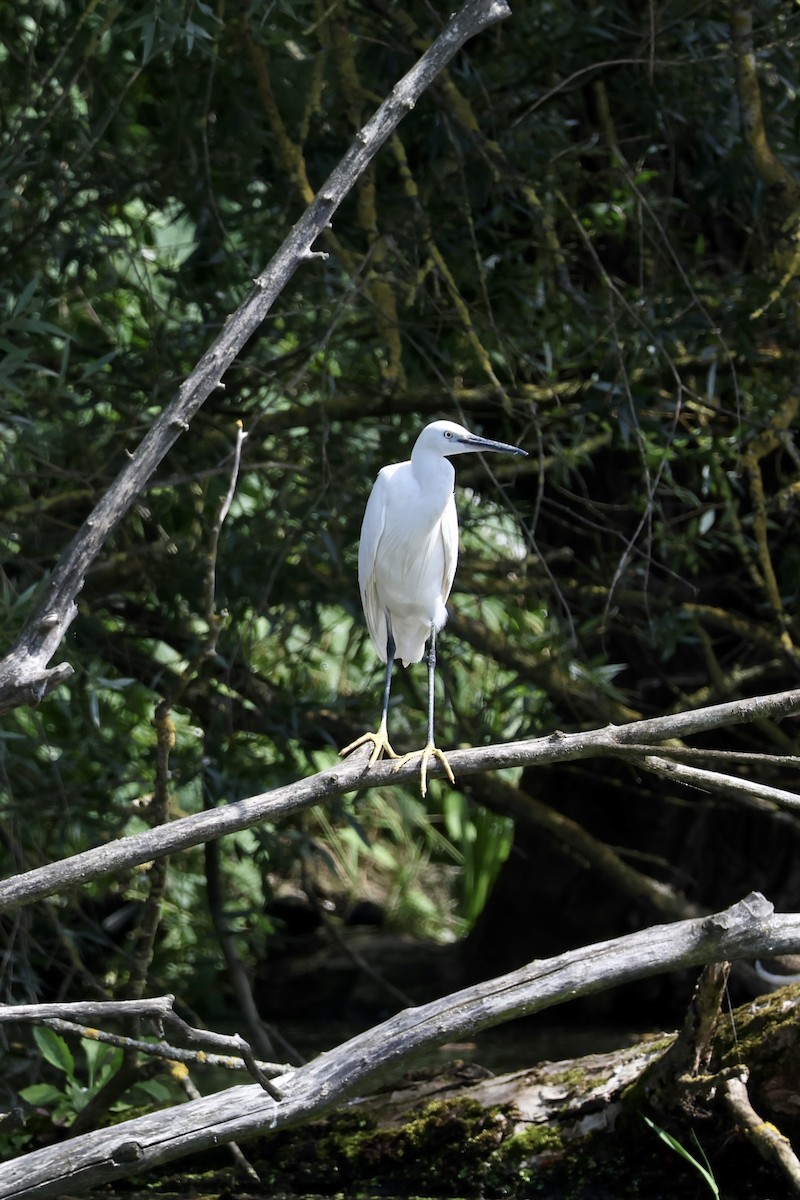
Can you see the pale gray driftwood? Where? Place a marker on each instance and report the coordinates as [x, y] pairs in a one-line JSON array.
[[771, 1144], [574, 1097], [156, 1007], [746, 930], [353, 773], [71, 1017]]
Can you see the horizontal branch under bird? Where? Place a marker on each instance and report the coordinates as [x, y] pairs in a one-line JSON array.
[[354, 773]]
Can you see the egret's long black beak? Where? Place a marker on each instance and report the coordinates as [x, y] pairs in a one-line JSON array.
[[479, 443]]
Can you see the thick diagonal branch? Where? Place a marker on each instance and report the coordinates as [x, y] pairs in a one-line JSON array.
[[745, 930], [25, 677]]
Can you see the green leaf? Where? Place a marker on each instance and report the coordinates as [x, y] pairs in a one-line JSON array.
[[103, 1060], [675, 1145], [40, 1093], [55, 1050], [78, 1095], [155, 1090], [22, 303]]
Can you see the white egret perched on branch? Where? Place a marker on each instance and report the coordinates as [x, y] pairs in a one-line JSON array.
[[406, 563]]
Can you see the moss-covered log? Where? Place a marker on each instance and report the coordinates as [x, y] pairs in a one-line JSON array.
[[573, 1128]]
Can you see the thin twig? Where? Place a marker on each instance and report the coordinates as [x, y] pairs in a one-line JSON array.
[[158, 814], [701, 753], [771, 1144], [733, 786], [214, 887], [216, 530], [243, 1061]]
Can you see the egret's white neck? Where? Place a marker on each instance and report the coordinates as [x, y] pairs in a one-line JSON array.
[[434, 473]]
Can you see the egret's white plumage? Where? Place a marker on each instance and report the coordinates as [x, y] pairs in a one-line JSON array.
[[408, 550], [407, 561]]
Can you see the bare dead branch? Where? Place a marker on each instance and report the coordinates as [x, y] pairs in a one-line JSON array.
[[220, 517], [157, 1008], [691, 754], [733, 786], [71, 1017], [25, 677], [354, 773], [241, 1060], [680, 1072], [771, 1144]]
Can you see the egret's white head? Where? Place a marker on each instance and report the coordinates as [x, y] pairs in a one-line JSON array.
[[447, 438]]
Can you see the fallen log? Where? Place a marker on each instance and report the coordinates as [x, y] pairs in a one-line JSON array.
[[561, 1121]]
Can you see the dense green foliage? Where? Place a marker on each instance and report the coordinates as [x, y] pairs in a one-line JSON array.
[[564, 247]]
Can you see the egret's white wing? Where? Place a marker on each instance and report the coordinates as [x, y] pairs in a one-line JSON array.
[[450, 543], [371, 531], [406, 562]]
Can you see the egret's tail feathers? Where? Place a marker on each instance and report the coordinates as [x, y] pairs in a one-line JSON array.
[[411, 636]]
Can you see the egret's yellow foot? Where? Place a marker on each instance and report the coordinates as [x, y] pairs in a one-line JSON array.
[[380, 744], [430, 751]]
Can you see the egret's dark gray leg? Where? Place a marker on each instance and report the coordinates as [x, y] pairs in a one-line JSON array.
[[431, 682], [380, 739], [387, 687], [431, 750]]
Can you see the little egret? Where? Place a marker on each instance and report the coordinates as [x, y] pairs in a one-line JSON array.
[[406, 563]]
